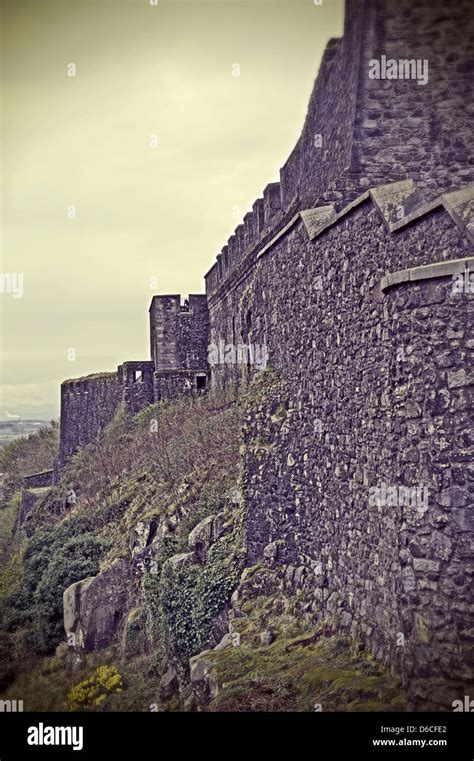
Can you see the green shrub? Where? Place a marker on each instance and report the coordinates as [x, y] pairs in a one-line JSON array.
[[178, 601], [190, 598], [71, 562], [91, 693], [135, 640], [55, 557], [30, 454], [8, 519]]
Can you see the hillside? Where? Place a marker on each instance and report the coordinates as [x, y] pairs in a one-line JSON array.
[[158, 531]]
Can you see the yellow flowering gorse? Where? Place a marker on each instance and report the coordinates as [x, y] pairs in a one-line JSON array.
[[92, 692]]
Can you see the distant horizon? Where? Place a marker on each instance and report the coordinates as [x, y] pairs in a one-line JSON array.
[[26, 420]]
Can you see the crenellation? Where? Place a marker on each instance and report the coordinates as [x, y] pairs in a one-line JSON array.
[[249, 233], [233, 245], [271, 201], [225, 257], [220, 266], [240, 235], [259, 217], [211, 278]]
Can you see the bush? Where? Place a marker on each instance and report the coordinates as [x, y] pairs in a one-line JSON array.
[[8, 519], [91, 693], [71, 562], [55, 558], [30, 454], [192, 597]]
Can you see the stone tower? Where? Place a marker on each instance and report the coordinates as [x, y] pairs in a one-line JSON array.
[[178, 343]]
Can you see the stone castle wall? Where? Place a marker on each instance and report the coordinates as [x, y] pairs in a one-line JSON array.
[[178, 366], [179, 333], [432, 394], [361, 132], [135, 380], [87, 405], [371, 390], [403, 129], [343, 272], [372, 386]]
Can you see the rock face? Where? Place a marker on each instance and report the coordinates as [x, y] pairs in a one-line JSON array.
[[183, 559], [169, 685], [203, 678], [208, 531], [94, 607]]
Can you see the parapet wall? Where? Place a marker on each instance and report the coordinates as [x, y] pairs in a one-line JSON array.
[[87, 405], [179, 342], [38, 480], [369, 386]]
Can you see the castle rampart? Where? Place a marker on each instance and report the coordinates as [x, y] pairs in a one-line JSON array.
[[361, 132], [178, 366], [372, 390], [355, 274]]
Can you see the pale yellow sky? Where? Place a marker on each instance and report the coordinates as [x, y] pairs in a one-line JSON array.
[[148, 219]]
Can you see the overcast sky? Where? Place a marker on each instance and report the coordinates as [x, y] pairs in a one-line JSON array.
[[147, 219]]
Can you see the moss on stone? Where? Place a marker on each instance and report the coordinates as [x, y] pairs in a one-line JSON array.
[[279, 678], [135, 640]]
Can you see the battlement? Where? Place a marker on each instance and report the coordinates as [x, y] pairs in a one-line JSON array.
[[178, 366], [179, 333], [361, 132], [87, 406]]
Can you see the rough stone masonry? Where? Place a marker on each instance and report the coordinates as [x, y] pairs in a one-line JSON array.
[[355, 273]]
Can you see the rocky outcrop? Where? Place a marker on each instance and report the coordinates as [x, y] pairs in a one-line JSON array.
[[231, 639], [203, 678], [148, 537], [207, 532], [200, 538], [169, 684], [94, 607], [177, 562]]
